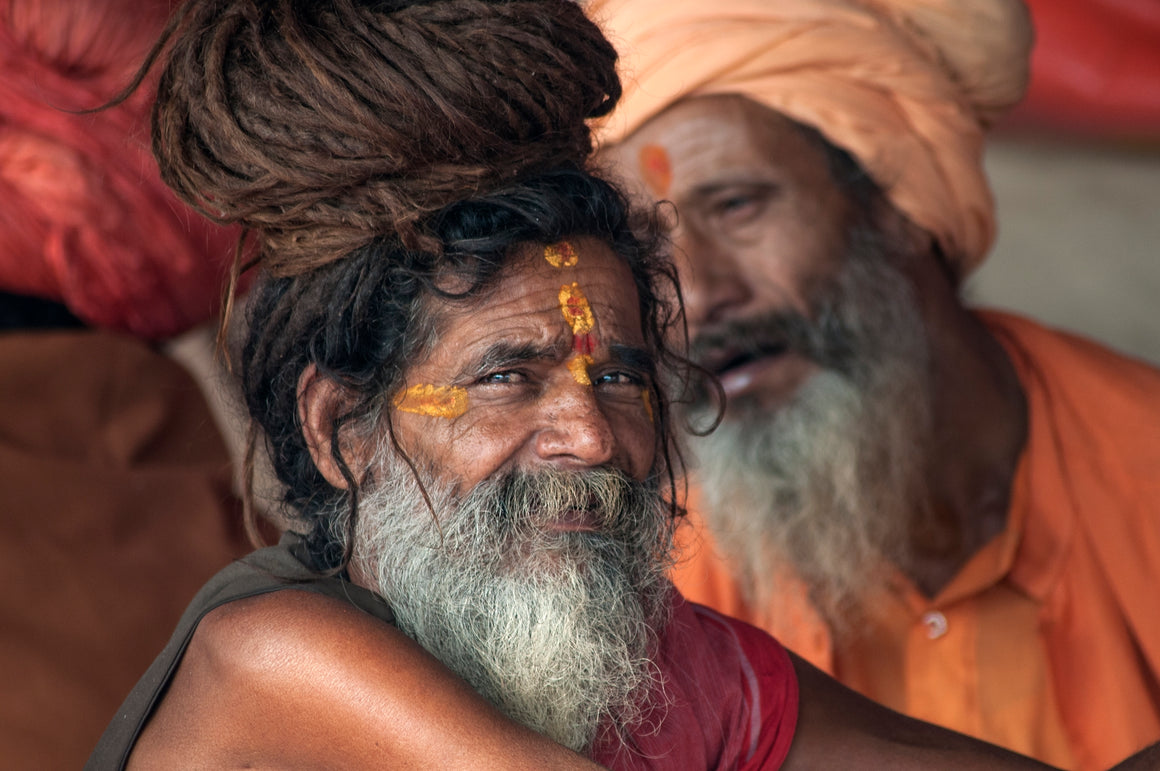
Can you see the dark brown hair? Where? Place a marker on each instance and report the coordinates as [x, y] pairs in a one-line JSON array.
[[373, 147], [365, 319], [323, 124]]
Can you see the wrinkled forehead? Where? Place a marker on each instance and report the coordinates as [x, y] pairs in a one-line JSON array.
[[545, 291], [719, 134]]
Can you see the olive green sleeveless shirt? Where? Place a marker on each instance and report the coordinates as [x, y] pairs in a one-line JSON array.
[[284, 566]]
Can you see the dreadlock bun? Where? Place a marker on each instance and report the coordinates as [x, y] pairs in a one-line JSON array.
[[325, 124]]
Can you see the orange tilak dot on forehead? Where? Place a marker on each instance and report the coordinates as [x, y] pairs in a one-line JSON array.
[[577, 312], [656, 169], [578, 366], [561, 255], [433, 401]]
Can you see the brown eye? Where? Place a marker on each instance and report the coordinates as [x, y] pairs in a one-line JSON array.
[[735, 203], [740, 205]]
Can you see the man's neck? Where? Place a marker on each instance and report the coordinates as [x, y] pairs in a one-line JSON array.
[[980, 429]]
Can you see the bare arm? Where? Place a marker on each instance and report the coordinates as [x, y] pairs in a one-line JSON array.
[[294, 678], [839, 728]]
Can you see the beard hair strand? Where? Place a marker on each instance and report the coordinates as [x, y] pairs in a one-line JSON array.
[[832, 483], [556, 629]]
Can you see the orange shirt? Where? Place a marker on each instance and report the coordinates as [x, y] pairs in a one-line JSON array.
[[1048, 640]]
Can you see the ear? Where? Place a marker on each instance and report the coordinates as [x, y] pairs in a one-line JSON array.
[[321, 400]]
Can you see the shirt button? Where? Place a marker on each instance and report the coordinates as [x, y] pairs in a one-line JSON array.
[[936, 624]]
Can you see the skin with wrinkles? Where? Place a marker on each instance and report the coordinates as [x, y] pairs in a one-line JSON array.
[[763, 232], [523, 328]]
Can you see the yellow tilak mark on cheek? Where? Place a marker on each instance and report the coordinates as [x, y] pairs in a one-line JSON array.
[[561, 255], [646, 397], [577, 312], [433, 401], [578, 366]]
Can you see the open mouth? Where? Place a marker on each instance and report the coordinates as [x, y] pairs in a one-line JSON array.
[[723, 361], [578, 519]]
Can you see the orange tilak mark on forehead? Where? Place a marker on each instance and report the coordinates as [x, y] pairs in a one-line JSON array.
[[561, 255], [577, 312], [646, 397], [433, 401], [656, 168], [578, 366]]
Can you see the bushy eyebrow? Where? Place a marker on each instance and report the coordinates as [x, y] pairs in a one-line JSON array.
[[503, 355], [710, 189], [640, 359]]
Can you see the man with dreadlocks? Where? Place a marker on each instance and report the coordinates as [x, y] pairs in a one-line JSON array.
[[457, 358]]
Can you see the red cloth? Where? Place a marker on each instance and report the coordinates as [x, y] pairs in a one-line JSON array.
[[1094, 69], [1048, 640], [84, 217], [733, 699]]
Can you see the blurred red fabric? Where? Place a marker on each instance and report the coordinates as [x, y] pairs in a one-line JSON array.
[[1095, 70], [85, 219], [84, 216]]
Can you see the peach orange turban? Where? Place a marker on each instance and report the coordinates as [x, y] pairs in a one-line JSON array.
[[84, 217], [907, 86]]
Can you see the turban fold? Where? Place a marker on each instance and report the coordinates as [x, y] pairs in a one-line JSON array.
[[84, 217], [908, 87]]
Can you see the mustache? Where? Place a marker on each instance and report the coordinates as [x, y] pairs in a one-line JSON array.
[[823, 338], [606, 498]]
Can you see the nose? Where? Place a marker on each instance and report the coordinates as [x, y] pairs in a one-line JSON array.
[[575, 433], [712, 283]]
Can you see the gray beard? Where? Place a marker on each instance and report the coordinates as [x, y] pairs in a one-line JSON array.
[[832, 482], [556, 629]]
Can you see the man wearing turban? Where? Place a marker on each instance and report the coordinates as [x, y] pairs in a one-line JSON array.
[[952, 511]]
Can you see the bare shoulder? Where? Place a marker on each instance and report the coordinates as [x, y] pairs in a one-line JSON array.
[[285, 636], [297, 678]]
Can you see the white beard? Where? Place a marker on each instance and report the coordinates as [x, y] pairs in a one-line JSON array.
[[557, 629], [833, 481]]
